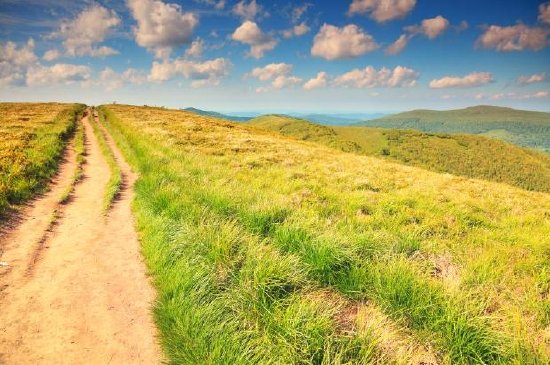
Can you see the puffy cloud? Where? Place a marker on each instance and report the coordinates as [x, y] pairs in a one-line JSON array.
[[532, 79], [431, 28], [370, 77], [195, 49], [297, 30], [260, 42], [514, 38], [544, 13], [278, 73], [90, 27], [382, 10], [111, 80], [51, 55], [14, 62], [515, 96], [201, 73], [160, 26], [57, 74], [271, 71], [247, 11], [334, 43], [399, 45], [317, 82], [471, 80]]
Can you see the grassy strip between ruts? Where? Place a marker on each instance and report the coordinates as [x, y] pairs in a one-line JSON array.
[[32, 140], [80, 155], [246, 275], [115, 181]]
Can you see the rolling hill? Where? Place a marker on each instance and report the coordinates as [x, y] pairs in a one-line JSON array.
[[458, 154], [524, 128]]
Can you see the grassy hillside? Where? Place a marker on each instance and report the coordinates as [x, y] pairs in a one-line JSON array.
[[270, 250], [208, 113], [458, 154], [32, 139], [521, 127]]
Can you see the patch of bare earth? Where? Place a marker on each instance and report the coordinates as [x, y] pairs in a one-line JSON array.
[[87, 298]]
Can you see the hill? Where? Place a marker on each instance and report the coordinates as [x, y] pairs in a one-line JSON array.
[[521, 127], [458, 154], [337, 119], [266, 249], [209, 113]]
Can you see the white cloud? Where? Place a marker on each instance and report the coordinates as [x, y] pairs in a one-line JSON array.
[[431, 28], [297, 30], [531, 79], [271, 71], [209, 72], [334, 43], [195, 49], [60, 73], [285, 81], [278, 73], [218, 4], [260, 42], [382, 10], [544, 13], [89, 28], [51, 55], [514, 96], [161, 26], [370, 77], [299, 11], [317, 82], [514, 38], [111, 80], [248, 11], [399, 45], [471, 80], [14, 62]]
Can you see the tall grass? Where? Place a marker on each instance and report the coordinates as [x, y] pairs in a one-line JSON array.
[[264, 250], [32, 140]]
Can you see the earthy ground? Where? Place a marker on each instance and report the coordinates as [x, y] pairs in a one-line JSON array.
[[75, 290]]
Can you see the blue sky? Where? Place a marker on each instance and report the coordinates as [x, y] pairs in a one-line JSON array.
[[278, 56]]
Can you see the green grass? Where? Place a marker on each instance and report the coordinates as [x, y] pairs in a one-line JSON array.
[[521, 127], [114, 183], [458, 154], [32, 139], [80, 151], [269, 250]]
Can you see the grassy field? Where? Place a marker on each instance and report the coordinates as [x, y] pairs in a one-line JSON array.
[[458, 154], [266, 249], [521, 127], [32, 139]]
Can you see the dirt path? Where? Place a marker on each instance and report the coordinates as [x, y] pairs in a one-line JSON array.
[[87, 300]]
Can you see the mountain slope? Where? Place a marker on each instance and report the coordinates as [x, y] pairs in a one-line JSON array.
[[271, 250], [466, 155], [521, 127]]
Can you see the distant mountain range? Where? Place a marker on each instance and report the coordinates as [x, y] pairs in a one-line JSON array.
[[217, 115], [521, 127]]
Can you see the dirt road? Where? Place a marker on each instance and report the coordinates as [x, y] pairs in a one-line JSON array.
[[76, 292]]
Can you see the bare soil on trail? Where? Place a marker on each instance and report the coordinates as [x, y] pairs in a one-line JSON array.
[[86, 298]]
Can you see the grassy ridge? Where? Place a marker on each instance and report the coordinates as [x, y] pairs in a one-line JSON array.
[[269, 250], [115, 180], [521, 127], [458, 154], [32, 139]]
